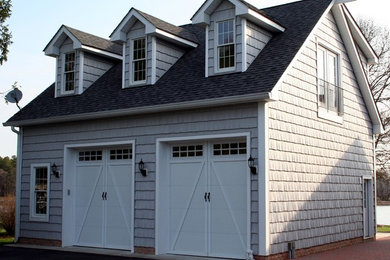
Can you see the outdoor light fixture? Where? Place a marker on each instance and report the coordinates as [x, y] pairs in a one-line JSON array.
[[142, 169], [251, 165], [55, 170]]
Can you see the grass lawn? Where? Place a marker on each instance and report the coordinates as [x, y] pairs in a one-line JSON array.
[[2, 231], [384, 229], [6, 240]]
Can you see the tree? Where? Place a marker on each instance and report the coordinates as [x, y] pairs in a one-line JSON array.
[[379, 79], [5, 34], [7, 175]]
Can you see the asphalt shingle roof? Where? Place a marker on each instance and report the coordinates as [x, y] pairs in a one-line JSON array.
[[165, 26], [185, 80], [96, 41]]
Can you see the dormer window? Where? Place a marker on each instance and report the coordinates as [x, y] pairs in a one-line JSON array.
[[69, 70], [139, 60], [226, 50]]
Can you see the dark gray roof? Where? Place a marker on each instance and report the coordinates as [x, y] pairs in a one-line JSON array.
[[162, 25], [95, 41], [185, 81]]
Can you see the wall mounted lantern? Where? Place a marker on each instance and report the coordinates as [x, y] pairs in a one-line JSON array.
[[142, 169], [55, 171], [251, 165]]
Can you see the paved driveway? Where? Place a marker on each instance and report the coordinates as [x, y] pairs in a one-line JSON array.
[[372, 250], [18, 253]]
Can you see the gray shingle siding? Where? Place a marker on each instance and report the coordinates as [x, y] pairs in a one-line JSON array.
[[45, 144]]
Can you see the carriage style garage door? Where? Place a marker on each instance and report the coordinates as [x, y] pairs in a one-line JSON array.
[[208, 199], [103, 187]]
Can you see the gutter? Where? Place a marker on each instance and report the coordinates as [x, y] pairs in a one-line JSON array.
[[265, 96], [18, 181]]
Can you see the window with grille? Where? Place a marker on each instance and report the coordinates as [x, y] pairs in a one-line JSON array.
[[39, 192], [330, 93], [187, 151], [139, 60], [86, 156], [229, 148], [69, 71], [121, 154], [226, 48]]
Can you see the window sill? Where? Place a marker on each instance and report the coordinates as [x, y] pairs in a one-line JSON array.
[[329, 115], [44, 218]]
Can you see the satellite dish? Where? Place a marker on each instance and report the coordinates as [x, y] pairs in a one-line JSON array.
[[14, 96]]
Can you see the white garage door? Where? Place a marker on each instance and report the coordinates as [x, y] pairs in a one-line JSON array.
[[104, 198], [208, 199]]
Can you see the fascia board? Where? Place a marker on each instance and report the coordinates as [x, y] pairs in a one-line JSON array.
[[202, 17], [52, 49], [119, 34], [145, 110], [360, 39], [357, 68], [101, 52], [175, 38]]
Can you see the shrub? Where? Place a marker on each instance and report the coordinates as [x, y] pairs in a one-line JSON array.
[[7, 214]]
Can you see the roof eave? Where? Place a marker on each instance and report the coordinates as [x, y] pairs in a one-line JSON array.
[[202, 15], [256, 97], [346, 34], [360, 39]]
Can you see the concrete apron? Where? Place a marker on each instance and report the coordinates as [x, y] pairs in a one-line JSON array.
[[111, 252]]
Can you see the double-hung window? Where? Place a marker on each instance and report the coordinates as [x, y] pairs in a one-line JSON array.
[[139, 61], [69, 71], [226, 48], [330, 93], [39, 192]]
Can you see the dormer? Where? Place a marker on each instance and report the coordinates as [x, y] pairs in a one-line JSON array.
[[236, 32], [150, 47], [81, 58]]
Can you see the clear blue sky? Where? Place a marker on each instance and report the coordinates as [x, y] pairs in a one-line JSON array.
[[34, 23]]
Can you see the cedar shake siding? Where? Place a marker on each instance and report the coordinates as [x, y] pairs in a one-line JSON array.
[[46, 144], [316, 165]]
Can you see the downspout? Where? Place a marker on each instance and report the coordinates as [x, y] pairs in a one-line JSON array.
[[18, 181]]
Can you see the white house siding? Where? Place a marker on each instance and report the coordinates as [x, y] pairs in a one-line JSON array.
[[224, 11], [316, 165], [66, 47], [94, 68], [45, 144], [166, 55], [256, 39]]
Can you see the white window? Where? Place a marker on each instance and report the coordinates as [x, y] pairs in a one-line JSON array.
[[226, 48], [39, 192], [330, 93], [139, 61], [69, 72]]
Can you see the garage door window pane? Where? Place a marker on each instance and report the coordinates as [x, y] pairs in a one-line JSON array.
[[229, 149], [90, 156], [187, 151], [121, 154]]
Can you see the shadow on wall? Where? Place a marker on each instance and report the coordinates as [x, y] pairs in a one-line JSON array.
[[322, 203]]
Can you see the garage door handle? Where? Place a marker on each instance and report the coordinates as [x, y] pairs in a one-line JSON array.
[[205, 196], [208, 196], [103, 195]]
